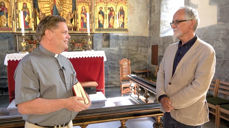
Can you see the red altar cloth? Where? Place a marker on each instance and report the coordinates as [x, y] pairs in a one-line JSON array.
[[87, 69]]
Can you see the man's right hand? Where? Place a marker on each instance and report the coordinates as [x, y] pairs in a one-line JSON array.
[[166, 104], [74, 104]]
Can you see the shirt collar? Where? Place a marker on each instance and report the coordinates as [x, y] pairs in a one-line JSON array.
[[189, 43], [46, 52]]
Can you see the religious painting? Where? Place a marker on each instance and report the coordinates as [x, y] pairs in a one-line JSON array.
[[100, 14], [24, 18], [5, 15], [83, 11], [122, 11], [111, 15]]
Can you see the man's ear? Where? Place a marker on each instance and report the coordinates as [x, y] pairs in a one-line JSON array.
[[193, 23], [48, 34]]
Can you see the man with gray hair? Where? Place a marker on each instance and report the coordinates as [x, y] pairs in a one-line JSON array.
[[185, 74], [44, 80]]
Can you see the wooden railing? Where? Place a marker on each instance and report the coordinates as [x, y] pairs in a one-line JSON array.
[[149, 87], [91, 116]]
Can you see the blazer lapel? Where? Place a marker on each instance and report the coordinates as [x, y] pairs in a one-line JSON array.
[[187, 56], [171, 59]]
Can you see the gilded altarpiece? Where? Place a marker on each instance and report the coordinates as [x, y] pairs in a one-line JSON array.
[[64, 8], [83, 18], [111, 16], [5, 15]]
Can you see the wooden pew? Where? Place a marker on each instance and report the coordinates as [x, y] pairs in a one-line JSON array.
[[223, 109], [218, 100], [212, 98]]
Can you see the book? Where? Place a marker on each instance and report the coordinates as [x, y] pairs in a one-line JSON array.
[[80, 92]]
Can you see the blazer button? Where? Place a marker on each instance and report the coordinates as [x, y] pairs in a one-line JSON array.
[[170, 83]]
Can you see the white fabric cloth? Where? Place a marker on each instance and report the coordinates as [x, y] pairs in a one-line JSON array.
[[78, 54], [30, 125]]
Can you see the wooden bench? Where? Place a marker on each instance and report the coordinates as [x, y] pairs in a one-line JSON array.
[[223, 109], [218, 100], [212, 98]]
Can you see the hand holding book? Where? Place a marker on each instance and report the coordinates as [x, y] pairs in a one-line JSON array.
[[79, 92]]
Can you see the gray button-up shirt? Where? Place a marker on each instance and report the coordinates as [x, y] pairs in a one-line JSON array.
[[41, 74]]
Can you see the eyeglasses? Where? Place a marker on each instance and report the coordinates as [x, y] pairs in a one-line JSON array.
[[176, 22]]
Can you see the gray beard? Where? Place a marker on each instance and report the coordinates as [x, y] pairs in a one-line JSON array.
[[176, 37]]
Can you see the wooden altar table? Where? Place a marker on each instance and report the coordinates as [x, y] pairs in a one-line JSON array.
[[89, 66]]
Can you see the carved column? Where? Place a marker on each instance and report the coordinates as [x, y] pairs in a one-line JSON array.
[[138, 91], [84, 126], [146, 95], [158, 123], [123, 124]]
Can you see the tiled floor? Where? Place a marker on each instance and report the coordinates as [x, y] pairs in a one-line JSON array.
[[132, 123]]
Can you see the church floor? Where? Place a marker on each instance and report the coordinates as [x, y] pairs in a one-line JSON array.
[[132, 123]]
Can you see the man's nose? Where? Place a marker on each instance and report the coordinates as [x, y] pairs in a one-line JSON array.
[[173, 26], [68, 36]]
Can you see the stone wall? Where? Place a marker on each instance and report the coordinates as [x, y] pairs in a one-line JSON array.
[[7, 45], [217, 36], [134, 48]]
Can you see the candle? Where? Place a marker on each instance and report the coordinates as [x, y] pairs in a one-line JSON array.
[[117, 22], [88, 24], [22, 23]]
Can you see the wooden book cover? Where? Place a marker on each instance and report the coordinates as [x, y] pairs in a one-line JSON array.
[[79, 92]]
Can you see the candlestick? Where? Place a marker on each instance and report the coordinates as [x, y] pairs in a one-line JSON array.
[[22, 23], [88, 24], [117, 22]]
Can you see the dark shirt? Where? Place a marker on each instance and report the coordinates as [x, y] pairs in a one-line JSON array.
[[182, 50]]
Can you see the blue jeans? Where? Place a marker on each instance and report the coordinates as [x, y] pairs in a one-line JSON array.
[[169, 122]]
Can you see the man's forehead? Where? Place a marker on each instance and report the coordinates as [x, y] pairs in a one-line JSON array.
[[179, 14], [59, 25]]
